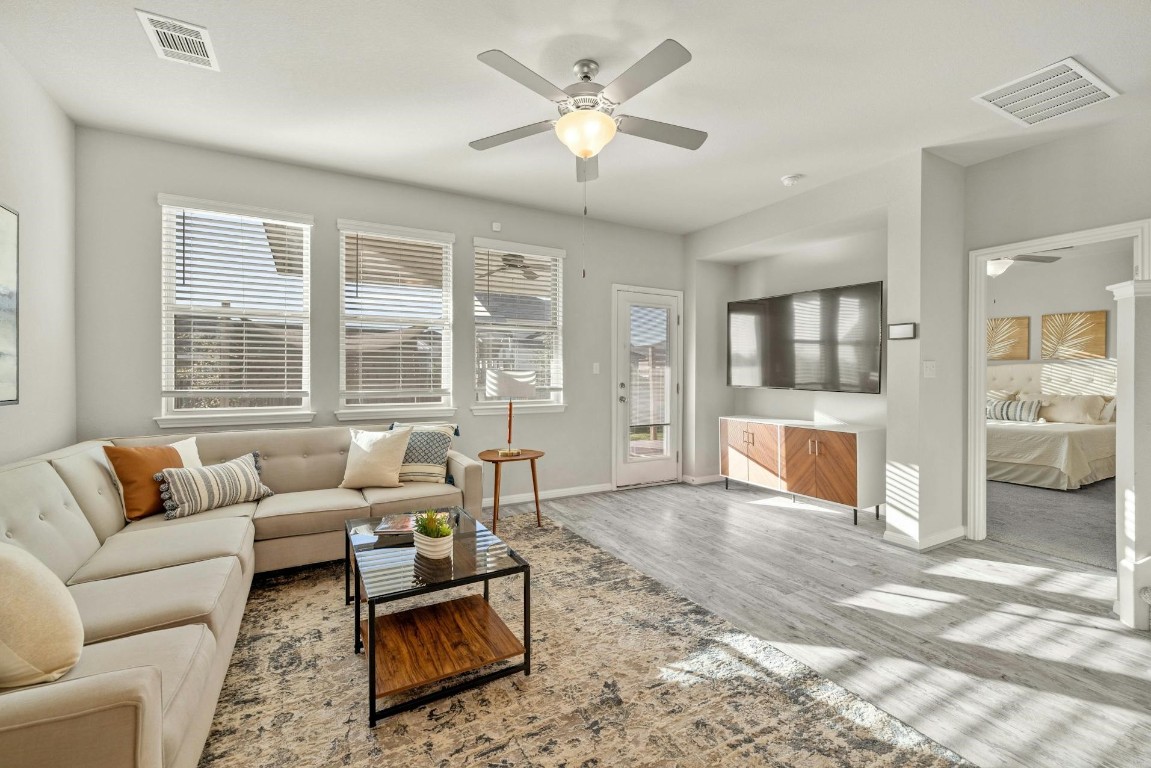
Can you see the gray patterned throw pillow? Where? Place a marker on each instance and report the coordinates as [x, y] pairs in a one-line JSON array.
[[189, 491], [426, 460]]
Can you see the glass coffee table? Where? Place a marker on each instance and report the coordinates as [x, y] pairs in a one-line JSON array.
[[437, 642]]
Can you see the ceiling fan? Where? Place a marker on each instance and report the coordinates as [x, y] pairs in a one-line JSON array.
[[997, 267], [587, 120], [513, 261]]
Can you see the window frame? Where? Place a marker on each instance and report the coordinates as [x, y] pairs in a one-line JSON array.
[[346, 412], [170, 416], [557, 403]]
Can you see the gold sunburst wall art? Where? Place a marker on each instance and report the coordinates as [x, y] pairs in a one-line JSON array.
[[1075, 335], [1008, 338]]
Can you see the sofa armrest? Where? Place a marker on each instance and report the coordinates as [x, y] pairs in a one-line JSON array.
[[467, 475], [112, 719]]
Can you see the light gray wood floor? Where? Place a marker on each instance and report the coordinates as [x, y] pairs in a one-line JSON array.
[[1008, 657]]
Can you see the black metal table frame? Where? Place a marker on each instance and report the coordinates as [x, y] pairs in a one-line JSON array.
[[375, 715]]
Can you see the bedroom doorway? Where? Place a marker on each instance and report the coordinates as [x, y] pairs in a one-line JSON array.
[[1051, 378], [1041, 360]]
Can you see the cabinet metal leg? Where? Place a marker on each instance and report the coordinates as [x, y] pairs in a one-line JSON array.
[[725, 485], [855, 516], [876, 511]]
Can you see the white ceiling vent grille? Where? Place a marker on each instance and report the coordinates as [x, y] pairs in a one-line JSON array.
[[1056, 90], [179, 41]]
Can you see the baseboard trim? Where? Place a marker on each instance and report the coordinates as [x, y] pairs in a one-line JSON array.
[[555, 493], [703, 480], [931, 542]]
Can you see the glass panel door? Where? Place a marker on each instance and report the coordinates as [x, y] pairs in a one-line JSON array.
[[647, 396]]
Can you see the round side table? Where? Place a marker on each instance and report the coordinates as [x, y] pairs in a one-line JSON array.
[[525, 454]]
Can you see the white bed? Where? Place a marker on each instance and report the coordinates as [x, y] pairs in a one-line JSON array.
[[1051, 455]]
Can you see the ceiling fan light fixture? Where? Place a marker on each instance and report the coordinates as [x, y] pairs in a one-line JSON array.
[[997, 267], [585, 131]]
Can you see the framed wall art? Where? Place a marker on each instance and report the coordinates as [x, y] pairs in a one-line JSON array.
[[9, 307]]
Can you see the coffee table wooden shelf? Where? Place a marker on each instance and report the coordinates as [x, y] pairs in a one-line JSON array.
[[410, 645]]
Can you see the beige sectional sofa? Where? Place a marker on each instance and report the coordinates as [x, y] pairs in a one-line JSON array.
[[161, 600]]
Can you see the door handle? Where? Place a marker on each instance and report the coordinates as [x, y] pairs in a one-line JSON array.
[[816, 447], [809, 449], [751, 438]]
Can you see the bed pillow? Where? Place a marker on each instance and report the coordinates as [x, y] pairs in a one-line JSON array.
[[1107, 415], [1002, 394], [1013, 410], [189, 491], [1072, 409]]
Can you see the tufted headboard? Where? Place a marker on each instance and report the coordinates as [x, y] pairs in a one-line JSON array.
[[1055, 377]]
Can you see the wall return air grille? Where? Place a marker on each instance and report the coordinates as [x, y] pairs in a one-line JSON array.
[[179, 41], [1063, 87]]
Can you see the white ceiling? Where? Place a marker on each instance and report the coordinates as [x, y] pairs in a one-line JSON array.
[[392, 88]]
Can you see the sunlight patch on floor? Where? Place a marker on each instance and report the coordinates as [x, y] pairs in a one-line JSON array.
[[903, 600], [1094, 586]]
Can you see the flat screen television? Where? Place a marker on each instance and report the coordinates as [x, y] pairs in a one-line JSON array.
[[829, 340]]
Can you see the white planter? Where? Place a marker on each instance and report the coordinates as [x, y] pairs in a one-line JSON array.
[[434, 548]]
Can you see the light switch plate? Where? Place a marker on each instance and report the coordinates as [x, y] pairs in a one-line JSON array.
[[929, 369]]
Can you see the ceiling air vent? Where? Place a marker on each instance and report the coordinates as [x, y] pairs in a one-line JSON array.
[[1063, 87], [179, 41]]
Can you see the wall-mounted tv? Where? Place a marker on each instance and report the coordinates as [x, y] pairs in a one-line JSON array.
[[829, 340]]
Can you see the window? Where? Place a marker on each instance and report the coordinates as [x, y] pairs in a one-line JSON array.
[[396, 318], [519, 323], [235, 310]]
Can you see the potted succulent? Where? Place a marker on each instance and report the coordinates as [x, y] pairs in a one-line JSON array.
[[433, 534]]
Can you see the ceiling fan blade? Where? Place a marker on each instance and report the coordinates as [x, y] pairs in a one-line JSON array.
[[676, 135], [1038, 258], [500, 61], [587, 170], [512, 135], [664, 59]]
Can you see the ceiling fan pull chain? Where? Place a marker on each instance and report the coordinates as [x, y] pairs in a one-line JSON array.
[[583, 231]]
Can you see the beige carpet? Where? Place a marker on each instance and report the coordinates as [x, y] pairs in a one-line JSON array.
[[625, 673]]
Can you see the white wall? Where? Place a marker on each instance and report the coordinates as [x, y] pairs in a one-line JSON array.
[[710, 286], [1072, 284], [37, 180], [848, 260], [118, 268]]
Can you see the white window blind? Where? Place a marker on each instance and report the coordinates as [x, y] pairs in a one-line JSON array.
[[519, 324], [396, 344], [235, 310]]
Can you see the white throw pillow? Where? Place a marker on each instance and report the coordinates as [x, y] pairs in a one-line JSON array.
[[375, 458], [41, 635], [1107, 415], [189, 453]]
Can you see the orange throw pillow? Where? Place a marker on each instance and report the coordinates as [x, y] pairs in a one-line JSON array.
[[135, 469]]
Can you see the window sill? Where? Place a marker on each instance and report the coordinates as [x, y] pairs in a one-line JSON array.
[[233, 419], [501, 409], [396, 413]]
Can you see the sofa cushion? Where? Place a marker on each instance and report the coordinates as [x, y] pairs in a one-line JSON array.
[[92, 482], [131, 551], [190, 491], [209, 592], [413, 497], [304, 512], [135, 470], [40, 515], [246, 510], [40, 630], [184, 657]]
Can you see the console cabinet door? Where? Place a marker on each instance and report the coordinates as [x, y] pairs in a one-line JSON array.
[[836, 473], [763, 454], [798, 462], [733, 461]]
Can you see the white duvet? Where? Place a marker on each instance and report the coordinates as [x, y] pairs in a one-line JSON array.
[[1070, 448]]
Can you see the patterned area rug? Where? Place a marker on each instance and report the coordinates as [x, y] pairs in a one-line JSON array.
[[624, 673]]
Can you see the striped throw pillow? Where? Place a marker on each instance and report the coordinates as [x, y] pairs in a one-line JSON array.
[[189, 491], [1013, 410]]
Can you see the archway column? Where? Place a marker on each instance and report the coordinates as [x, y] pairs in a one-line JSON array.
[[1133, 450]]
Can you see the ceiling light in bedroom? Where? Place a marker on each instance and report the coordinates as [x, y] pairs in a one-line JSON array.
[[997, 267]]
